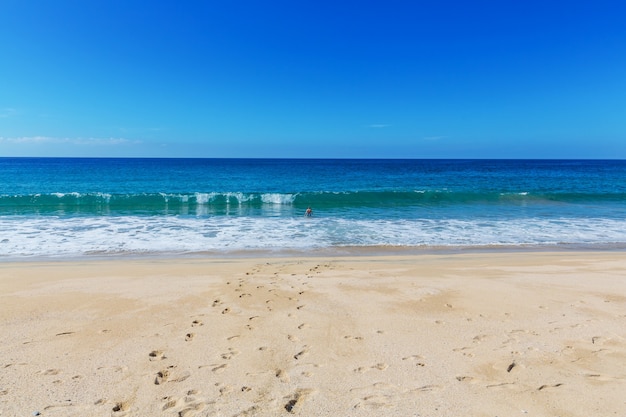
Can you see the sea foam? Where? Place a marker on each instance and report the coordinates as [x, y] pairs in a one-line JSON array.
[[135, 235]]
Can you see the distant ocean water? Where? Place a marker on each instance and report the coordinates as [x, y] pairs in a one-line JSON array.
[[82, 207]]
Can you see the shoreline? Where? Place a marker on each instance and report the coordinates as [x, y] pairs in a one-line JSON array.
[[326, 252], [481, 333]]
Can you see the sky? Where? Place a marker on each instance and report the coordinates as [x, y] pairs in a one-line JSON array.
[[313, 79]]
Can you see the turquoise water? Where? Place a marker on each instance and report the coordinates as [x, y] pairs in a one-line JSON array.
[[83, 207]]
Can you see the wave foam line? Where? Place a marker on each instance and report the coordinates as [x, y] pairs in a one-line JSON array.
[[24, 236]]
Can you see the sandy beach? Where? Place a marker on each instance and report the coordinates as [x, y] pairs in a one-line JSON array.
[[475, 334]]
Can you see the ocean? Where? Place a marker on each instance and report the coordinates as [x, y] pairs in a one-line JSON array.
[[102, 207]]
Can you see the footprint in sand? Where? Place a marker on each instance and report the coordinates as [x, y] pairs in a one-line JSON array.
[[156, 355], [227, 389], [380, 366], [413, 358], [192, 409], [425, 388], [600, 377], [504, 385], [597, 340], [465, 351], [302, 353], [121, 407], [161, 377], [384, 396], [183, 377], [230, 354], [282, 376], [171, 403], [377, 402], [295, 403], [189, 337], [219, 368], [541, 388], [196, 323], [479, 338], [51, 372]]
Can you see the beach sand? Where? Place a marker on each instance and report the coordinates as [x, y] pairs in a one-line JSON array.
[[473, 334]]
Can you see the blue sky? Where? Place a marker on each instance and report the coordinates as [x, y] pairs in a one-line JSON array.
[[393, 79]]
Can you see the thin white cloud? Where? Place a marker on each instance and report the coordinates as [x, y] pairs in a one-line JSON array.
[[42, 140]]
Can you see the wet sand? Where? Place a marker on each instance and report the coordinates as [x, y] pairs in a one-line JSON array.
[[481, 334]]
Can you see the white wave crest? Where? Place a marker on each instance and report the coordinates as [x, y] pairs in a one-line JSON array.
[[204, 198], [61, 195], [275, 198], [238, 197]]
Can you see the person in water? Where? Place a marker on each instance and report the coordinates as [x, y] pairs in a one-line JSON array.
[[308, 212]]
